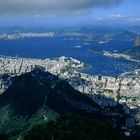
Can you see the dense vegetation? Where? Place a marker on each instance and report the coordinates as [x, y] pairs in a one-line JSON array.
[[74, 127], [38, 97], [40, 106]]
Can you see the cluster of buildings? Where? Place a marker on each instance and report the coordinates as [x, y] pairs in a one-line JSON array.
[[14, 66], [16, 36], [107, 91], [123, 89], [119, 55], [116, 55]]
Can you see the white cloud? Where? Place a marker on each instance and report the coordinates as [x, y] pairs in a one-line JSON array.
[[37, 16], [115, 16]]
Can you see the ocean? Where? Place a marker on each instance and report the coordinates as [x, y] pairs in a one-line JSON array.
[[77, 48]]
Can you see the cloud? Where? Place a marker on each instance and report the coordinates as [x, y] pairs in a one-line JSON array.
[[116, 16], [51, 6], [37, 16], [119, 18], [112, 17]]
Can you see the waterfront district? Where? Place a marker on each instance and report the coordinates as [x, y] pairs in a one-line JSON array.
[[107, 91]]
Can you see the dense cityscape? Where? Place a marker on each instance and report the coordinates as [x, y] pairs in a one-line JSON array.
[[123, 89], [69, 70]]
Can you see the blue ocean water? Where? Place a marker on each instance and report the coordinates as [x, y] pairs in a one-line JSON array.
[[61, 46]]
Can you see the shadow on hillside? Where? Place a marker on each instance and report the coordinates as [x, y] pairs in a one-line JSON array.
[[37, 90]]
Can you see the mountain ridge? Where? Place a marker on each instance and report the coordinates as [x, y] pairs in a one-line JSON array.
[[39, 96]]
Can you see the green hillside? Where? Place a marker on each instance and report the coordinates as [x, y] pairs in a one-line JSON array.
[[39, 97]]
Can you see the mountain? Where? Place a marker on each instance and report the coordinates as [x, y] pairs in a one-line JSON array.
[[125, 35], [133, 52], [75, 127], [39, 97], [34, 90]]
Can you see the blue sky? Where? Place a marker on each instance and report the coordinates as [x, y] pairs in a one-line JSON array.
[[81, 12]]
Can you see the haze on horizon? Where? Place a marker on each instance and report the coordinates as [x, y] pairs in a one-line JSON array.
[[43, 12]]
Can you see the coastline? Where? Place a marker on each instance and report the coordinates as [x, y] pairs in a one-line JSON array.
[[119, 55], [125, 86]]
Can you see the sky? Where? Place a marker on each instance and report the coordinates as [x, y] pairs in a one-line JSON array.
[[129, 8], [43, 12]]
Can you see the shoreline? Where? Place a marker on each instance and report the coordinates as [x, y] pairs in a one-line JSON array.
[[119, 55], [123, 88], [80, 70]]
